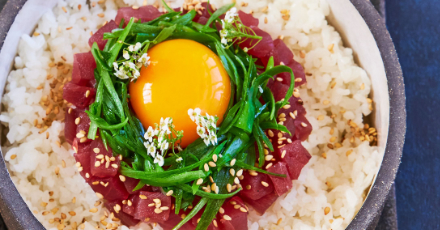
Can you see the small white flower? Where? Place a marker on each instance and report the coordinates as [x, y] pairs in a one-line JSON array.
[[206, 140], [137, 46], [125, 54], [149, 134], [230, 15], [151, 149], [224, 41], [115, 66], [130, 65], [213, 139], [179, 159], [136, 73], [144, 60], [193, 113], [201, 131], [261, 89], [121, 74], [164, 124], [164, 146], [159, 160]]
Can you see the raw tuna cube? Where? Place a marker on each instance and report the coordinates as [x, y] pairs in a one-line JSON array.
[[279, 90], [99, 35], [128, 207], [108, 164], [131, 183], [282, 185], [111, 188], [115, 207], [77, 95], [262, 204], [295, 104], [70, 126], [226, 225], [84, 66], [195, 220], [204, 14], [82, 155], [173, 220], [144, 13], [237, 212], [303, 128], [147, 213], [248, 19], [263, 48], [295, 156], [282, 53], [298, 72], [83, 127], [253, 188]]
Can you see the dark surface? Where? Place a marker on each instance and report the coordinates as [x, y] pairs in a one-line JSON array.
[[415, 27], [388, 220]]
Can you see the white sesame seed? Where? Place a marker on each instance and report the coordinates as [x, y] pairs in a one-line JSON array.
[[232, 172], [226, 217], [122, 178], [240, 172], [233, 162], [96, 150], [212, 164], [206, 167], [199, 181], [265, 184], [169, 193], [269, 165]]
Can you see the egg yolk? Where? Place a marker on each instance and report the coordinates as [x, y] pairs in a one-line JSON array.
[[182, 75]]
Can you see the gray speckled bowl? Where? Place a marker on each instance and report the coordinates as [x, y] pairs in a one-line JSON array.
[[362, 29]]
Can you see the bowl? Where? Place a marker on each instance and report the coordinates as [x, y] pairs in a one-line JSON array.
[[361, 28]]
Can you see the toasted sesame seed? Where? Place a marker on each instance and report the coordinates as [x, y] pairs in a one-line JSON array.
[[72, 213], [170, 193], [215, 158], [324, 155], [226, 217], [268, 157], [269, 165], [232, 172], [129, 203], [253, 173], [206, 167], [93, 210], [151, 204], [57, 170], [115, 166], [135, 7], [13, 156], [101, 15], [164, 208], [212, 164], [271, 134], [349, 152], [265, 20], [215, 223], [99, 195], [303, 124], [87, 93], [330, 47], [143, 197], [243, 209], [239, 173], [74, 200], [236, 180], [283, 154], [158, 210], [233, 162], [199, 181], [326, 210], [265, 184], [97, 164], [229, 187], [157, 201], [122, 178], [279, 221], [64, 9]]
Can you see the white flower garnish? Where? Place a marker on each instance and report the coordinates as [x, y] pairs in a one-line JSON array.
[[206, 125], [125, 54], [230, 15], [150, 134], [159, 160], [144, 60], [179, 159]]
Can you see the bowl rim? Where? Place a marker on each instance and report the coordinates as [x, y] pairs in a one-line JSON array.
[[17, 215]]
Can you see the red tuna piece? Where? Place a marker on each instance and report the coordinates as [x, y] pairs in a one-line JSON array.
[[303, 128], [248, 19], [253, 188], [237, 212], [279, 90], [262, 204], [295, 107], [144, 211], [144, 13], [263, 48], [195, 220], [226, 225], [203, 15], [111, 188], [282, 185], [84, 66], [83, 127], [173, 220], [131, 183], [128, 207], [298, 72], [115, 207], [281, 52], [99, 35], [82, 156], [70, 126], [295, 156], [108, 164], [79, 96]]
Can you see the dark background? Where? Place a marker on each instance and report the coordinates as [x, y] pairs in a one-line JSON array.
[[414, 26]]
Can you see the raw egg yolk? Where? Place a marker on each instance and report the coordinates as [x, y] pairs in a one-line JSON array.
[[182, 75]]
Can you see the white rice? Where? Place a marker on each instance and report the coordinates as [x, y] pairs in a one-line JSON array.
[[336, 183]]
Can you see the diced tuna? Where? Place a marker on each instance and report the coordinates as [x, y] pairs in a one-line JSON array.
[[79, 96], [295, 104], [195, 220], [282, 185], [111, 188], [295, 156], [99, 35], [303, 128], [248, 19], [131, 183], [104, 164], [144, 13], [262, 204], [115, 207], [263, 48], [128, 207], [237, 212], [298, 72], [282, 53], [83, 69], [173, 220], [69, 125], [252, 186], [203, 15], [153, 213], [83, 127], [82, 157]]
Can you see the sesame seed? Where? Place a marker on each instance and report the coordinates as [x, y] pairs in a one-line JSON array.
[[330, 47], [143, 197], [229, 187], [243, 209], [324, 155], [97, 164], [169, 193], [236, 180], [239, 173], [232, 172], [253, 173], [226, 217], [265, 20], [151, 204], [349, 152], [303, 124], [115, 166], [129, 203], [268, 157], [101, 15], [266, 152], [164, 208], [13, 156], [99, 195], [326, 210], [215, 223], [158, 210], [96, 150], [265, 184], [57, 170], [279, 221], [215, 158], [212, 164], [64, 9], [87, 93], [72, 213], [157, 201], [199, 181], [122, 178], [93, 210], [233, 162], [77, 120], [279, 79], [135, 7], [271, 134], [206, 167], [269, 165], [283, 154]]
